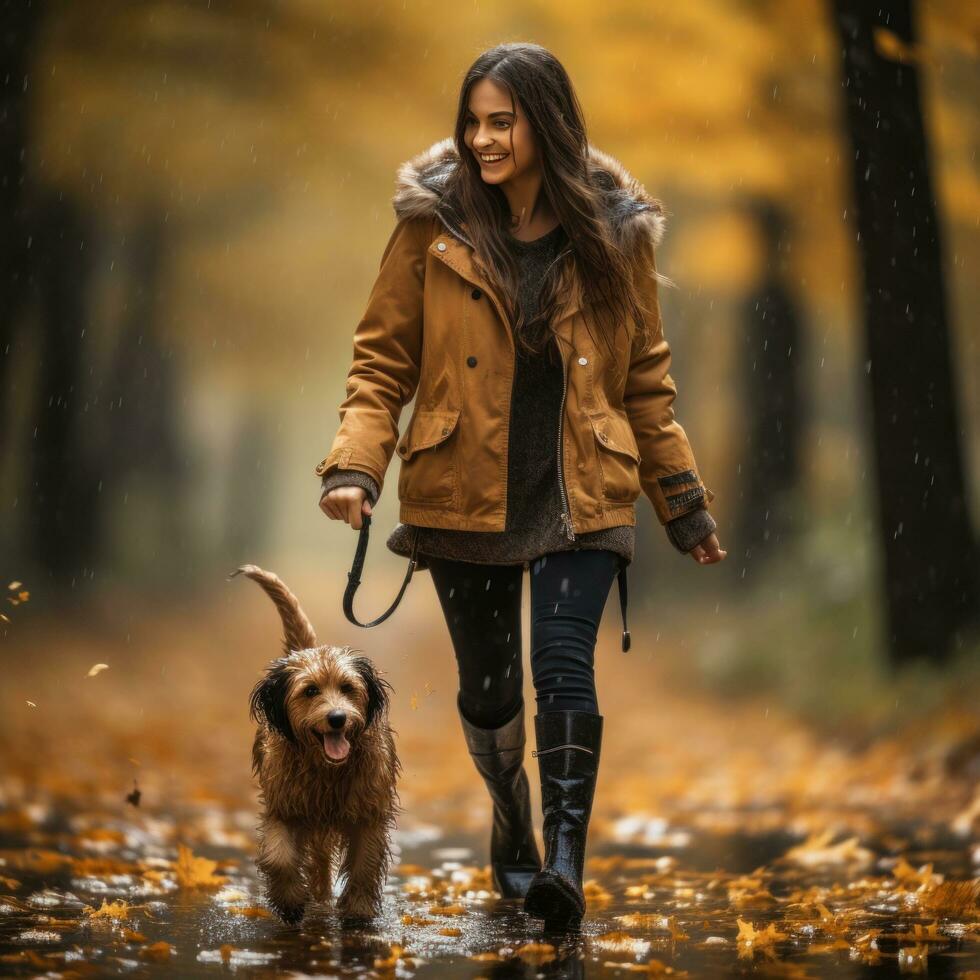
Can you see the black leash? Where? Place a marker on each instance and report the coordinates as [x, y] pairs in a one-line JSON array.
[[354, 576], [622, 602], [354, 580]]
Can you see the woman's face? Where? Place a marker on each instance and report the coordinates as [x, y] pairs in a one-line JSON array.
[[492, 130]]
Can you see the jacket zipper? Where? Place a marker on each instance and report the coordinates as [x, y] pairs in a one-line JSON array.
[[565, 516]]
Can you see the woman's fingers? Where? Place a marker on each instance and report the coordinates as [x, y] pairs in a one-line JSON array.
[[328, 505], [708, 551], [345, 504], [354, 512]]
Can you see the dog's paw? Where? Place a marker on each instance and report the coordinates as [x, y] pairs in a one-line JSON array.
[[291, 915], [355, 909]]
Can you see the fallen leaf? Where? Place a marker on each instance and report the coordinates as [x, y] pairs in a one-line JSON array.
[[536, 954], [159, 952], [451, 909], [196, 872], [750, 939], [817, 850], [109, 910], [390, 962], [250, 911]]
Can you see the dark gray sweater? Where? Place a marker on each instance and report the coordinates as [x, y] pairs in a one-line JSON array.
[[534, 501]]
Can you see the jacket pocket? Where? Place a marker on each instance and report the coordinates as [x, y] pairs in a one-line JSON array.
[[619, 457], [428, 453]]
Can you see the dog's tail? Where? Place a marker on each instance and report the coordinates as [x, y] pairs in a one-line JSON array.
[[299, 633]]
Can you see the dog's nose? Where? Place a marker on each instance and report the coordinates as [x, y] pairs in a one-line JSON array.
[[337, 718]]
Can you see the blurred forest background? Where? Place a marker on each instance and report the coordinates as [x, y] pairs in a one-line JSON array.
[[196, 196]]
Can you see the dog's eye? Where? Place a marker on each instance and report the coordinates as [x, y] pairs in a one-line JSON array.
[[311, 690], [346, 688]]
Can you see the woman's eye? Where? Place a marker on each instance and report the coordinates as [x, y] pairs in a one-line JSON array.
[[311, 691]]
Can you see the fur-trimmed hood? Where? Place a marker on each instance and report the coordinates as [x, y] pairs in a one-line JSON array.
[[630, 210]]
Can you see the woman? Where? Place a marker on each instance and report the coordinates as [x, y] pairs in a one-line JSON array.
[[517, 297]]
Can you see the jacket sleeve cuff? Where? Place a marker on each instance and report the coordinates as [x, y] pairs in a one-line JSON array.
[[348, 478], [690, 529]]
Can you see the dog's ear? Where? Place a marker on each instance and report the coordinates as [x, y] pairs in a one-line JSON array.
[[377, 689], [268, 700]]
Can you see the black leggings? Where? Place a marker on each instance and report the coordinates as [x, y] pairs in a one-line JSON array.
[[482, 606]]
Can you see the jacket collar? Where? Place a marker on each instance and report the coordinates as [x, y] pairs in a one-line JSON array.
[[630, 211]]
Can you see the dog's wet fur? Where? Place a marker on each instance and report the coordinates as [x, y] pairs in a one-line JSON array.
[[324, 755]]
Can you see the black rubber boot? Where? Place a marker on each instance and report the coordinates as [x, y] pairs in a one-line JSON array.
[[568, 760], [498, 754]]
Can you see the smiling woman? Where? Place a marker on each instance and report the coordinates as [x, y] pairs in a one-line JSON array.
[[541, 415]]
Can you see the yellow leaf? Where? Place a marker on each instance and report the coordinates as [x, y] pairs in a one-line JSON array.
[[196, 872], [159, 951], [817, 850], [390, 961], [250, 912], [97, 669], [109, 910], [536, 953], [749, 938], [889, 45], [452, 909]]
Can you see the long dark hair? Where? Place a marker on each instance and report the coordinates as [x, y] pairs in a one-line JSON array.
[[538, 81]]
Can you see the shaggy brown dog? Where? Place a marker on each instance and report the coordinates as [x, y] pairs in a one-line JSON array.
[[325, 759]]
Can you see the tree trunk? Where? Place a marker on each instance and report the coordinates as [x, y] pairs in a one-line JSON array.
[[770, 366], [65, 528], [930, 555]]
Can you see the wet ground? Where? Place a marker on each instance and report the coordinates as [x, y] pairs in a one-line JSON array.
[[98, 895], [727, 839]]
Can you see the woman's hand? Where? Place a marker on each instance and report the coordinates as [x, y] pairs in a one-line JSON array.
[[346, 504], [708, 551]]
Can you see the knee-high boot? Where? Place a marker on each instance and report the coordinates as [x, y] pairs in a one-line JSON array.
[[568, 760], [498, 754]]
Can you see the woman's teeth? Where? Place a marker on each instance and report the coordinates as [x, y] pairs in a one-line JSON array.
[[492, 157]]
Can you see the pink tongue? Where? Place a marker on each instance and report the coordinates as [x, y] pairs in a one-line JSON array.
[[336, 745]]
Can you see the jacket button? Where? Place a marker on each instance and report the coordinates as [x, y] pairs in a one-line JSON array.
[[445, 432], [583, 360], [477, 293], [471, 360], [441, 246]]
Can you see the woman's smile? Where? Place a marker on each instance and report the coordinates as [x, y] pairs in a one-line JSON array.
[[491, 159]]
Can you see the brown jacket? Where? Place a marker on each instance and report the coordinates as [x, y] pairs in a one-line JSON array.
[[434, 329]]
